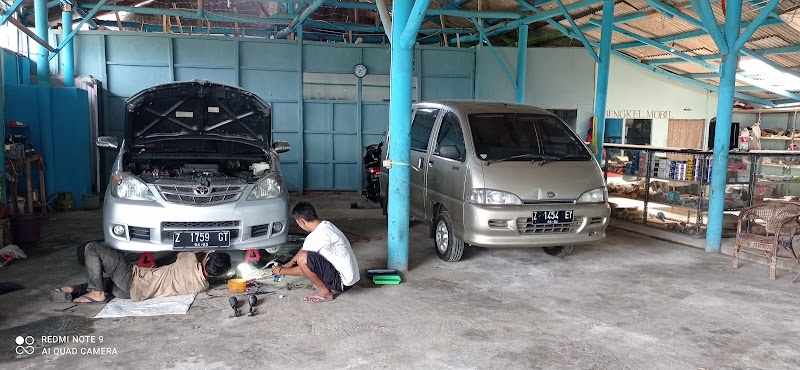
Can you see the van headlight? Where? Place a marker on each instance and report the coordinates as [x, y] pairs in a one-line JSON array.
[[127, 186], [598, 195], [492, 197], [267, 188]]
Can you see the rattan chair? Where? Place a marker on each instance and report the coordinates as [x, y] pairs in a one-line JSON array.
[[780, 219]]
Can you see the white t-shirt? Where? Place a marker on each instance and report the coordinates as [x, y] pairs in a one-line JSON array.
[[330, 243]]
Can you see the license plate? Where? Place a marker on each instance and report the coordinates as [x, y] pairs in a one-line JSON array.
[[201, 239], [552, 217]]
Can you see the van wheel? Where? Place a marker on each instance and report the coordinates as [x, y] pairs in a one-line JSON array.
[[449, 247], [561, 251]]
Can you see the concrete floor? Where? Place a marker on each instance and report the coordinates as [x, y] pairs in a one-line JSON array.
[[631, 302]]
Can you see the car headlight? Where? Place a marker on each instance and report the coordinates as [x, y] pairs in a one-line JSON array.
[[492, 197], [594, 196], [127, 186], [269, 187]]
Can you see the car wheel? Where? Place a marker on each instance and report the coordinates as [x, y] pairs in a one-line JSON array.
[[561, 251], [449, 247]]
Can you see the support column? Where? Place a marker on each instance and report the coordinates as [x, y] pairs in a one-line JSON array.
[[67, 53], [42, 64], [45, 106], [522, 62], [399, 139], [722, 130], [601, 93]]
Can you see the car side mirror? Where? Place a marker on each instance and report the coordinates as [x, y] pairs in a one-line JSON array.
[[107, 142], [450, 152], [281, 146]]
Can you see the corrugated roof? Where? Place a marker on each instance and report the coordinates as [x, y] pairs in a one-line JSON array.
[[653, 25]]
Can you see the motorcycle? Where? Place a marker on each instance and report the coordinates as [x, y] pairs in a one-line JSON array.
[[372, 171]]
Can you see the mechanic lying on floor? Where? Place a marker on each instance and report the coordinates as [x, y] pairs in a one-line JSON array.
[[326, 257], [189, 274]]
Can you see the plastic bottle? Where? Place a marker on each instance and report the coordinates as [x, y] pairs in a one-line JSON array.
[[744, 140]]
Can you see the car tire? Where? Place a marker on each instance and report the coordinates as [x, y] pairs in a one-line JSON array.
[[561, 251], [449, 247]]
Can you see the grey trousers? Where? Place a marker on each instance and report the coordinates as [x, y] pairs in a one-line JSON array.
[[101, 259]]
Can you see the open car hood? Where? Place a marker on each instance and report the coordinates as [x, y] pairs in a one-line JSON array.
[[195, 110]]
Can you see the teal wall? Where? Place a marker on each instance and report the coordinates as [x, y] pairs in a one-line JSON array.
[[327, 136]]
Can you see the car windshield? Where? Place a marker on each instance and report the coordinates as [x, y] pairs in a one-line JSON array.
[[524, 137]]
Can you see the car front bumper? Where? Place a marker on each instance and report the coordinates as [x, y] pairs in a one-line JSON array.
[[149, 225], [511, 226]]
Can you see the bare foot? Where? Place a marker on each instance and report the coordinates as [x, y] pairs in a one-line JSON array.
[[91, 297], [324, 293]]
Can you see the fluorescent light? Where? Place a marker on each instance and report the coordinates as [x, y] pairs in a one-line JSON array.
[[759, 70]]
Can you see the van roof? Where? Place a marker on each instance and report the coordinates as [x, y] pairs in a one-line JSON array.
[[479, 106]]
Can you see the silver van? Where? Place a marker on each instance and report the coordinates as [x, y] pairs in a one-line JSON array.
[[501, 175], [196, 170]]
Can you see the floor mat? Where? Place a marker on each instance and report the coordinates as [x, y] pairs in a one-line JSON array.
[[176, 305]]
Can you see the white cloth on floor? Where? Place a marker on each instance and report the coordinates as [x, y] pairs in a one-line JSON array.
[[175, 305], [13, 249]]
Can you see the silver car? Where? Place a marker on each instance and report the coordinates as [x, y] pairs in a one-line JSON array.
[[195, 170], [493, 174]]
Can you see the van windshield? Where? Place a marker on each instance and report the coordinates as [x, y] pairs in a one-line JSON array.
[[524, 137]]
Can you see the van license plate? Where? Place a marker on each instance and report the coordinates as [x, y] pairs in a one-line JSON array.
[[552, 217], [201, 239]]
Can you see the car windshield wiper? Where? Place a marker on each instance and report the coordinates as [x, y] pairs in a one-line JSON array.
[[568, 156], [532, 157]]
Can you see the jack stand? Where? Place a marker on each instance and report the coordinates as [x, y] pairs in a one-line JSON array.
[[146, 260], [253, 255]]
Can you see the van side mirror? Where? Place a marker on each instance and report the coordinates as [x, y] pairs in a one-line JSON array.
[[281, 146], [450, 152], [107, 142]]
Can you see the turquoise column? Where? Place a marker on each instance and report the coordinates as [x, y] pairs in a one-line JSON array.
[[399, 139], [601, 93], [42, 64], [67, 53], [45, 106], [522, 62], [722, 131]]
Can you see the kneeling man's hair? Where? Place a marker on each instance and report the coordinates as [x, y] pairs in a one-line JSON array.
[[218, 264], [305, 211]]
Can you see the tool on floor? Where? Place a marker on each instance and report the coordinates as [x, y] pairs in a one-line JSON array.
[[235, 305], [252, 300]]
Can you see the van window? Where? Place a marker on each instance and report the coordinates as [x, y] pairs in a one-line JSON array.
[[503, 135], [422, 127], [450, 134]]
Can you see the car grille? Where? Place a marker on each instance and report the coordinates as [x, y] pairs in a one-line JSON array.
[[142, 233], [596, 220], [526, 226], [185, 225], [184, 194]]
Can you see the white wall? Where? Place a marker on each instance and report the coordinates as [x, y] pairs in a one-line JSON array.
[[636, 93], [564, 78], [557, 78]]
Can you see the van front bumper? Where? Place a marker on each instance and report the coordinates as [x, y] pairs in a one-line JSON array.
[[511, 226], [150, 225]]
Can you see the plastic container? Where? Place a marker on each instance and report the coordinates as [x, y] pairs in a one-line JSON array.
[[27, 228], [237, 285], [386, 279]]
